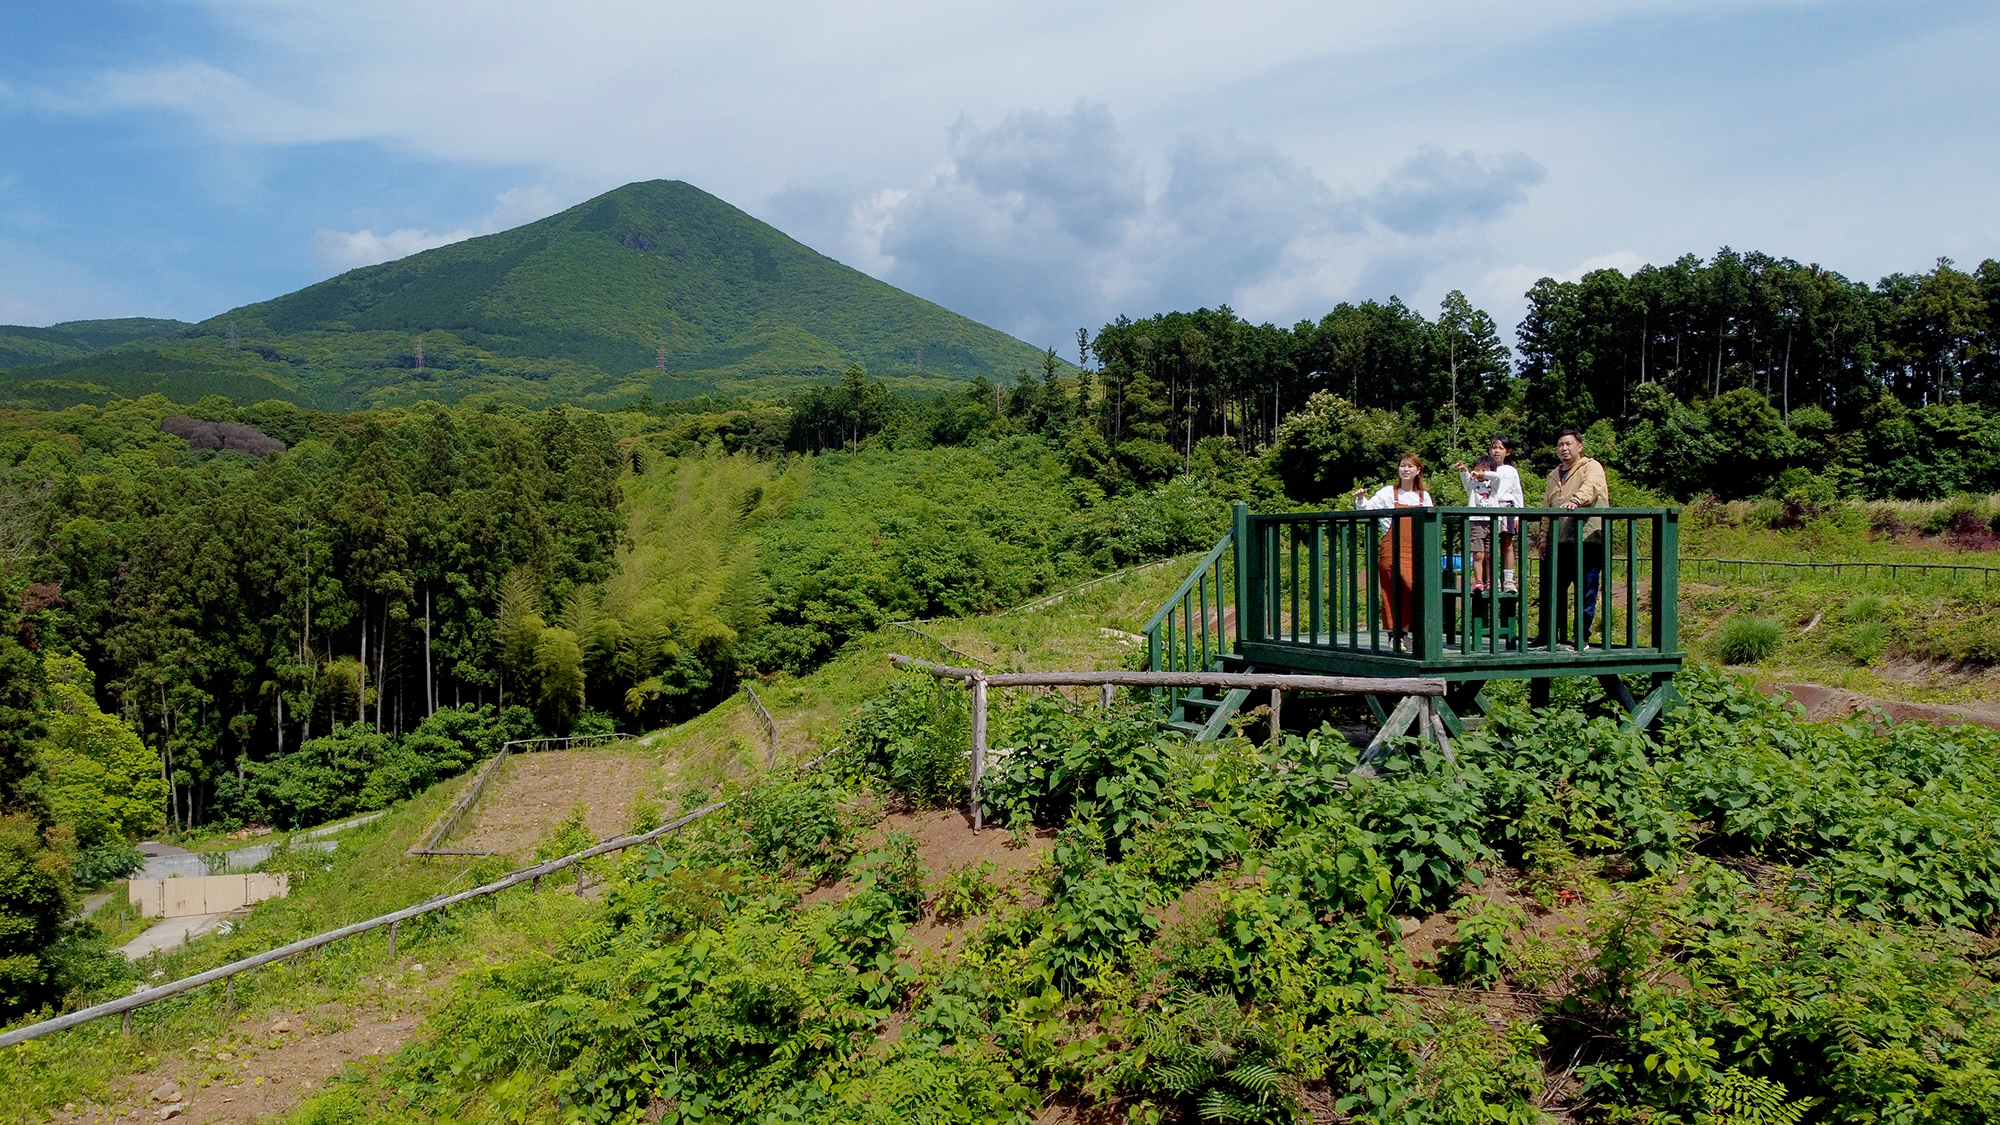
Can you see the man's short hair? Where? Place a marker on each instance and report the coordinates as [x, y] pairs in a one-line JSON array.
[[1570, 433]]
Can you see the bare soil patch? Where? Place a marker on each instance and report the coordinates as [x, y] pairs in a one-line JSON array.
[[534, 792], [269, 1067], [945, 841], [1823, 703]]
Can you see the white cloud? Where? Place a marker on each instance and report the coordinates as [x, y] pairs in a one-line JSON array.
[[736, 96], [1435, 189], [337, 251], [1045, 221], [1281, 155]]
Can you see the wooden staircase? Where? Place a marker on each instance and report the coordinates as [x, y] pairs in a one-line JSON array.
[[1204, 717]]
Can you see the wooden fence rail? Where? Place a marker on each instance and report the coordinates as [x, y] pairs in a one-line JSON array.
[[1418, 707], [467, 799], [766, 724]]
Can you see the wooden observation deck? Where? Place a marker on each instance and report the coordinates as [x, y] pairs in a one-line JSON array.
[[1304, 593]]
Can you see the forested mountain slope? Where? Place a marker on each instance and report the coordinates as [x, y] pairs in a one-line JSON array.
[[21, 346], [655, 288]]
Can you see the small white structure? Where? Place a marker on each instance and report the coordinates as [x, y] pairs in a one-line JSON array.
[[204, 894]]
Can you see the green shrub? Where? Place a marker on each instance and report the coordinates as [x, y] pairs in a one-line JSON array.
[[966, 890], [590, 722], [916, 741], [34, 903], [1962, 514], [1054, 762], [1745, 639], [892, 870], [115, 859], [1478, 948], [789, 824]]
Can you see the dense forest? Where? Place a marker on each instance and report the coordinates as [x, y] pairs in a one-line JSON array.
[[1708, 376]]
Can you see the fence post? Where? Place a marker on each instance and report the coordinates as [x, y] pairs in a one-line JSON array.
[[1104, 694], [1666, 580], [1429, 631], [1277, 722], [392, 941], [978, 745], [1241, 547]]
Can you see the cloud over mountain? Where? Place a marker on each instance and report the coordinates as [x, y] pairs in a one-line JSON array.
[[1044, 221]]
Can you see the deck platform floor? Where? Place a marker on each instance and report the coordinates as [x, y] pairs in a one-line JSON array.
[[1363, 653]]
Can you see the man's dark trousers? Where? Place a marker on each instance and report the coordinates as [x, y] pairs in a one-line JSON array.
[[1564, 570]]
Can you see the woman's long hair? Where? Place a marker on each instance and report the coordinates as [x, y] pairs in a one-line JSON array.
[[1423, 482], [1504, 442]]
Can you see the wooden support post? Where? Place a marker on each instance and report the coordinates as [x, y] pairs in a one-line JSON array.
[[1437, 730], [1614, 687], [1104, 695], [1408, 710], [538, 884], [1277, 722], [1648, 712], [579, 880], [229, 992], [125, 1025], [978, 746], [392, 939]]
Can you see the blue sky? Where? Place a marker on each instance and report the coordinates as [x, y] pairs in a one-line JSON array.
[[1039, 166]]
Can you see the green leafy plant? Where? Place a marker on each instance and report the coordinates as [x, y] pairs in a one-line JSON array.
[[892, 870], [1477, 953], [1055, 762], [1218, 1062], [569, 836], [1742, 1099], [966, 890]]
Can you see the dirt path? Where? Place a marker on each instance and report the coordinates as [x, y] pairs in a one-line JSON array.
[[1823, 703], [535, 791]]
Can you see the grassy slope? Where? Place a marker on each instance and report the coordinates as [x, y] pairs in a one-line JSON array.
[[1925, 639], [368, 875], [571, 308]]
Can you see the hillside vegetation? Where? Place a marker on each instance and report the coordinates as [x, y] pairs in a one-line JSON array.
[[574, 308], [1748, 917], [21, 346]]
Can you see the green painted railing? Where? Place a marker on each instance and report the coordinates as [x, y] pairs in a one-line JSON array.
[[1317, 581], [1197, 625]]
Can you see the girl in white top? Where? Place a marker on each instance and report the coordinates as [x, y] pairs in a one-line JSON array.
[[1395, 566], [1407, 492], [1506, 482]]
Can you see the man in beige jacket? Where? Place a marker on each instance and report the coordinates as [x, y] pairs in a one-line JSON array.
[[1576, 482]]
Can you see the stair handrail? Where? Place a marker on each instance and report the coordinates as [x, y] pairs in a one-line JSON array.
[[1186, 587]]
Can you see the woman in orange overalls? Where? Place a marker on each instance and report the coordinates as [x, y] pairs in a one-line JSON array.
[[1395, 561]]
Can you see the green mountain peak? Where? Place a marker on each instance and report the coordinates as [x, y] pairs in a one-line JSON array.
[[654, 288]]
